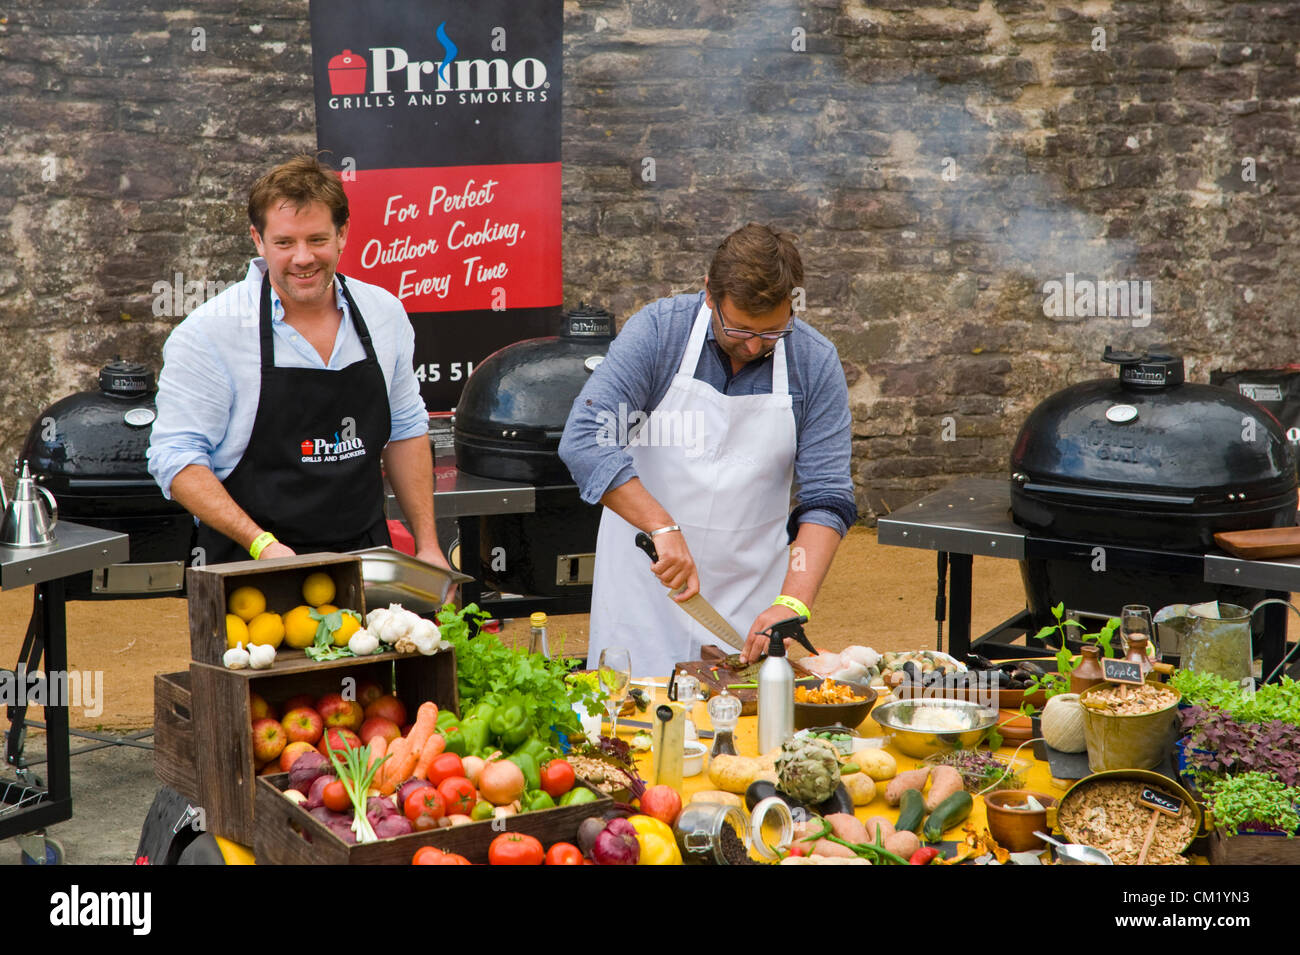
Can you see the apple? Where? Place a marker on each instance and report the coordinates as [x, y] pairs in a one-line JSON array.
[[259, 709], [662, 802], [336, 711], [299, 701], [367, 692], [379, 726], [293, 751], [303, 724], [389, 707], [339, 739], [268, 740]]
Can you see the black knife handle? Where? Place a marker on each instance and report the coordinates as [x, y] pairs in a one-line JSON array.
[[646, 544]]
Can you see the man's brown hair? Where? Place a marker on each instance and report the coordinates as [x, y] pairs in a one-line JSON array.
[[302, 180], [756, 269]]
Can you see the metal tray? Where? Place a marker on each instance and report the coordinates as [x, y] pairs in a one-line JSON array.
[[391, 577]]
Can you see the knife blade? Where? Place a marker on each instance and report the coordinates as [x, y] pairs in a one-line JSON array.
[[699, 608]]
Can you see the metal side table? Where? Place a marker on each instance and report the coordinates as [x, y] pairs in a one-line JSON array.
[[29, 804]]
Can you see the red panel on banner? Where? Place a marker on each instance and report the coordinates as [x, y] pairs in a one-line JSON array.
[[458, 238]]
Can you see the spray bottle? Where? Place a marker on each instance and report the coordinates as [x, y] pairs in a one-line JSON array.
[[776, 685]]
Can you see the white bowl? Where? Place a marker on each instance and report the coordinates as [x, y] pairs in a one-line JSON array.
[[693, 760]]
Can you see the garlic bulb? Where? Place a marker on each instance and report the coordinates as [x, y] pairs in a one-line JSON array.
[[363, 643], [236, 658], [261, 656], [425, 636]]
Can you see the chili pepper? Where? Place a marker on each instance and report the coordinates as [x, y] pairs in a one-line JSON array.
[[923, 855]]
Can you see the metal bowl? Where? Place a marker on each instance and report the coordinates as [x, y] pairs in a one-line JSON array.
[[896, 717], [809, 715]]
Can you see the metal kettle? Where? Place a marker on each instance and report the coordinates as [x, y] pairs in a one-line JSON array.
[[28, 522]]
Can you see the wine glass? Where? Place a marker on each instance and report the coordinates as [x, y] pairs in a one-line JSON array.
[[615, 673], [1135, 621]]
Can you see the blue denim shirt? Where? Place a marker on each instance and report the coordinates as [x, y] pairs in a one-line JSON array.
[[642, 361]]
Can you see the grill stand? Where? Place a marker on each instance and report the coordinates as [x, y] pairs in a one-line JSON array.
[[972, 517]]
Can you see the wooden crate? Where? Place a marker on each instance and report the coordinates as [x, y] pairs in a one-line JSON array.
[[280, 580], [1253, 849], [173, 733], [286, 834], [222, 735]]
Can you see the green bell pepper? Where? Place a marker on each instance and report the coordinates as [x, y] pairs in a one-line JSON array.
[[447, 718], [477, 735], [535, 747], [510, 724], [577, 796], [528, 765], [484, 709], [456, 742], [538, 800]]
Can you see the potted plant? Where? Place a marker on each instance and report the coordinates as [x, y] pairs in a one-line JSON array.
[[1255, 819]]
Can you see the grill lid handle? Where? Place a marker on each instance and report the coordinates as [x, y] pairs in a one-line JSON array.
[[125, 379], [1146, 370]]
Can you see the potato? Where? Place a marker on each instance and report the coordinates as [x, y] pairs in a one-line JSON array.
[[733, 774], [860, 787], [879, 826], [719, 797], [849, 828], [876, 763], [913, 779], [944, 781], [903, 843]]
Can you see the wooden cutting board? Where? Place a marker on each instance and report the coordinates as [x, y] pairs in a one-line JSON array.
[[1264, 543], [712, 672]]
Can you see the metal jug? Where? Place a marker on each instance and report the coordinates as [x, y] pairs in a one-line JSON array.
[[1215, 636], [28, 522]]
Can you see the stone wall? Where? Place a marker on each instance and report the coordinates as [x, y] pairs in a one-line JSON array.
[[940, 162]]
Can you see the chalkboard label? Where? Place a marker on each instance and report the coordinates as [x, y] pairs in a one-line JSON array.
[[1122, 671], [1163, 801]]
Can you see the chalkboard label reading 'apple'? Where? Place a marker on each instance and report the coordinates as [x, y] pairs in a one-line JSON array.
[[1122, 671]]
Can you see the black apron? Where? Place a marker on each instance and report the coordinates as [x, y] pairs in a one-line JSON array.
[[311, 474]]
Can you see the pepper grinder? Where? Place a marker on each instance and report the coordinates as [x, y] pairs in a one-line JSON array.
[[724, 713], [688, 694]]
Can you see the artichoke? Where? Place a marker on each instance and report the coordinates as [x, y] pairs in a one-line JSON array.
[[808, 769]]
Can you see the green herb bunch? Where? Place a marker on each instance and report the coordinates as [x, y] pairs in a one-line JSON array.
[[1053, 684], [1256, 799], [1272, 701]]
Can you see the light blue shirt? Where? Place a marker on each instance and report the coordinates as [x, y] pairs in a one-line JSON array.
[[211, 377]]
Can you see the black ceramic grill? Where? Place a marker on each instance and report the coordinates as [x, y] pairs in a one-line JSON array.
[[1145, 460], [509, 421], [89, 450]]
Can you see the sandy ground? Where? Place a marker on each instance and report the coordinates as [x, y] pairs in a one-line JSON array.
[[881, 597]]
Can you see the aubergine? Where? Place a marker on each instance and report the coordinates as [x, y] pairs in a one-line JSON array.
[[840, 801], [761, 789]]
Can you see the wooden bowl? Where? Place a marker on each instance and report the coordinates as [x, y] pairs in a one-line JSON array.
[[809, 715]]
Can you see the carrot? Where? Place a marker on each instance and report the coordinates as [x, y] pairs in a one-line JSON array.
[[432, 749], [378, 747], [426, 722], [391, 772]]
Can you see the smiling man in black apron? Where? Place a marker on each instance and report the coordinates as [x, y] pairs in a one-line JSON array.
[[282, 399]]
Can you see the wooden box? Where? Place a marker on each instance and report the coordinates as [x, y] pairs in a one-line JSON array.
[[280, 580], [286, 834], [173, 733], [222, 720], [1254, 848]]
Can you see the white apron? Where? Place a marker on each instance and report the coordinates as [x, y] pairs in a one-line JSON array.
[[728, 488]]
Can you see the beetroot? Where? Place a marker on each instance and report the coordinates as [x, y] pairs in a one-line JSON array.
[[306, 768], [588, 830]]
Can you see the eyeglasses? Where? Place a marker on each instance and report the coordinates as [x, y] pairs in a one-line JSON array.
[[744, 335]]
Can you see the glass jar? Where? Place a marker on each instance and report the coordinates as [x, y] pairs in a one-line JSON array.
[[712, 834]]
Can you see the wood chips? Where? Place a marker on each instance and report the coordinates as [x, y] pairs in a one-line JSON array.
[[1126, 700], [1106, 814]]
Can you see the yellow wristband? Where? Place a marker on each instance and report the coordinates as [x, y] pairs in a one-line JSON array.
[[260, 543], [798, 606]]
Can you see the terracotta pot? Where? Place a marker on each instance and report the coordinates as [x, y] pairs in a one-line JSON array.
[[1014, 828], [1088, 672]]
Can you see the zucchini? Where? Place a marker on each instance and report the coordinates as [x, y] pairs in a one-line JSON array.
[[911, 811], [948, 814]]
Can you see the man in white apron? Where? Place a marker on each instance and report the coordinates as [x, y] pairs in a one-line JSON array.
[[709, 472]]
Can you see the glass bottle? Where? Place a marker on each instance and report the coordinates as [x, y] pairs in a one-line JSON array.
[[537, 636]]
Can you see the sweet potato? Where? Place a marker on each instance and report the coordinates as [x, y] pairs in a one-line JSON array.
[[824, 847], [913, 779], [849, 828], [944, 781], [903, 843], [879, 826]]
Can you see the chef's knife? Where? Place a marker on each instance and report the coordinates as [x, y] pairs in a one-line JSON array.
[[697, 606]]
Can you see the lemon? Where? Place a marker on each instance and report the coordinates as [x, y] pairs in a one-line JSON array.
[[236, 631], [344, 633], [318, 588], [246, 603], [299, 627], [266, 628]]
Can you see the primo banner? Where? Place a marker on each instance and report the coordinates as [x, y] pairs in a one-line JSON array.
[[444, 119]]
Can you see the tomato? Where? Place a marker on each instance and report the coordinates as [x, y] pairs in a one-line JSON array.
[[564, 853], [458, 795], [451, 858], [557, 778], [427, 855], [515, 848], [445, 766], [335, 796], [425, 801]]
